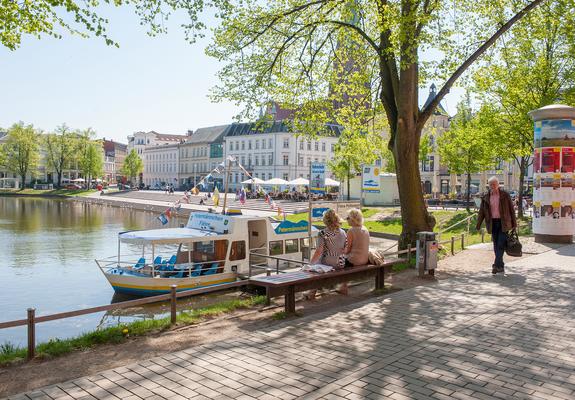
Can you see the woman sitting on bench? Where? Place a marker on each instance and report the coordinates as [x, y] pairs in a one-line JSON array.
[[331, 243], [357, 246]]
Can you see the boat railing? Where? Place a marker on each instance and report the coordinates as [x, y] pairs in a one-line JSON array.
[[284, 262], [161, 270]]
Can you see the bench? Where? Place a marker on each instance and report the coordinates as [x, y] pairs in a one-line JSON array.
[[288, 284]]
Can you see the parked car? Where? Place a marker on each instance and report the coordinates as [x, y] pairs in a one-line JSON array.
[[73, 186]]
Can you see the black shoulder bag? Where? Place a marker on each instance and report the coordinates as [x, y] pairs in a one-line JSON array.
[[513, 246]]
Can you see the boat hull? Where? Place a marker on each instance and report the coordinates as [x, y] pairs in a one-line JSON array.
[[148, 286]]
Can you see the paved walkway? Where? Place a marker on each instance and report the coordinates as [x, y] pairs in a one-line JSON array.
[[480, 337]]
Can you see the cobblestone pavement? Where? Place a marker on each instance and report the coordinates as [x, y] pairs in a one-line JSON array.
[[478, 337]]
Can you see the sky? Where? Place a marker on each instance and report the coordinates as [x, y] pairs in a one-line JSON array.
[[148, 83]]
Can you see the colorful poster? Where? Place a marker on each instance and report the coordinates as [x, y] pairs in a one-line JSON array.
[[537, 181], [558, 132], [547, 181], [317, 184], [567, 211], [556, 183], [568, 159], [556, 209], [537, 135], [567, 181], [550, 159], [546, 210], [537, 160], [370, 179], [536, 209]]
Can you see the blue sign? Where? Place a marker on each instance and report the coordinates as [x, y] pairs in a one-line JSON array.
[[291, 227], [318, 212], [317, 182]]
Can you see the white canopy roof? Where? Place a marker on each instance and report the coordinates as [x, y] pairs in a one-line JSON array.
[[253, 180], [165, 235], [79, 180], [299, 181], [276, 181], [331, 182]]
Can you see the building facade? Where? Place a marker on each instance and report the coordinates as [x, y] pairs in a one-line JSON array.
[[437, 180], [161, 165], [269, 150], [200, 154], [114, 155], [141, 140]]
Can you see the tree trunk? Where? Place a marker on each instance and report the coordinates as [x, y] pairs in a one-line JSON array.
[[468, 197], [59, 180], [522, 168], [23, 178], [348, 184], [414, 214]]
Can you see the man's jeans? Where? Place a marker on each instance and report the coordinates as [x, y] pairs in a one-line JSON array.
[[499, 240]]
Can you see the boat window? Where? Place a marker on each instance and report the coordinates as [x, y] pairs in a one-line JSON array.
[[304, 242], [291, 246], [238, 251], [210, 250], [276, 248]]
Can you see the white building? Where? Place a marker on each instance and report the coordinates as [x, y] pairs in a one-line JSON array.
[[161, 165], [141, 140], [269, 150]]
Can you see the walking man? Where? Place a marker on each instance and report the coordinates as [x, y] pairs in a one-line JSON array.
[[499, 214]]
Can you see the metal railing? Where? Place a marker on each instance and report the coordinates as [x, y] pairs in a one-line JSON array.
[[154, 270], [31, 319], [266, 267]]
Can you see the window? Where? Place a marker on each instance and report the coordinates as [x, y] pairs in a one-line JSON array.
[[209, 251], [269, 176], [301, 145], [249, 160], [237, 145], [257, 160], [292, 246], [286, 159], [332, 147], [270, 159], [270, 143], [238, 251], [243, 145], [428, 164], [263, 144], [276, 248], [316, 146], [444, 186], [286, 143], [257, 144], [285, 176], [300, 160], [263, 160], [309, 146], [249, 144], [309, 161], [323, 146]]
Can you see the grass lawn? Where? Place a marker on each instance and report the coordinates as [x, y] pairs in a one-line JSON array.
[[444, 219], [61, 192]]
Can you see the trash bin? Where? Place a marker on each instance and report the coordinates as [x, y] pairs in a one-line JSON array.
[[426, 253]]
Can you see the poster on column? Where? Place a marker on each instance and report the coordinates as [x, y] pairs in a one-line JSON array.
[[558, 132], [550, 159], [567, 210], [537, 160], [317, 183], [567, 159], [537, 209], [537, 135]]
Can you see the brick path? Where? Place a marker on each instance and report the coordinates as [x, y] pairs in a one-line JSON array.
[[479, 337]]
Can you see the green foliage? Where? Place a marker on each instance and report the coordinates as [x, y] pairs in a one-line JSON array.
[[466, 147], [133, 165], [55, 17], [61, 149], [90, 155], [20, 151]]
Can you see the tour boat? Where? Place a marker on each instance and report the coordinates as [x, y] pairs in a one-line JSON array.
[[210, 251]]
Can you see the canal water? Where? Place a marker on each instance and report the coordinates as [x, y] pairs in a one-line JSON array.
[[48, 248]]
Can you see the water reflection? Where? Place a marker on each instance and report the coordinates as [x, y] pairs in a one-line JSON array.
[[49, 247]]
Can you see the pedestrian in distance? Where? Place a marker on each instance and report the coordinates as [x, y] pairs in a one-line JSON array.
[[497, 211]]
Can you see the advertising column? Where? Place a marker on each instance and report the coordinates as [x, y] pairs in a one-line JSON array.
[[553, 174]]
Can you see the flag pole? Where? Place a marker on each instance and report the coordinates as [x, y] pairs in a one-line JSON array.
[[227, 184]]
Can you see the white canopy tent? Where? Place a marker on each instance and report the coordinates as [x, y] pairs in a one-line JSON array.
[[331, 182], [80, 180], [276, 181], [256, 181], [299, 181]]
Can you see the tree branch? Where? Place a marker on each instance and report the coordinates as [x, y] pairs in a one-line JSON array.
[[426, 113]]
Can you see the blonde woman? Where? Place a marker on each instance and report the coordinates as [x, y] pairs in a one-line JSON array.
[[357, 247], [331, 243]]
